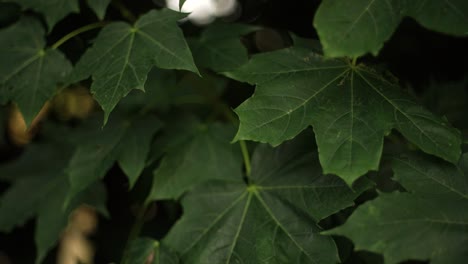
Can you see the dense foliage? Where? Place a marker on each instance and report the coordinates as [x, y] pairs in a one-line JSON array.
[[249, 140]]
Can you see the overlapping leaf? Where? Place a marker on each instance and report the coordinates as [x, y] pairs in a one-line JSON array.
[[126, 142], [351, 109], [122, 56], [428, 223], [354, 28], [270, 220], [29, 73], [219, 47], [53, 10], [199, 153], [99, 7], [145, 249], [39, 187]]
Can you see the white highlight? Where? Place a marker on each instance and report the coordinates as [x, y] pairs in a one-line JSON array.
[[204, 11]]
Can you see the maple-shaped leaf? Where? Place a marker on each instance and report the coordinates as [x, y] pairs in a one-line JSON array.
[[122, 55], [99, 7], [272, 219], [351, 109], [354, 28], [219, 47], [29, 72], [147, 250], [126, 142], [53, 10], [427, 223], [39, 187], [201, 153]]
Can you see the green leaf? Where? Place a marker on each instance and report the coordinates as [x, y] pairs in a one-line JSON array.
[[99, 149], [53, 217], [32, 72], [122, 55], [350, 107], [219, 47], [181, 3], [99, 7], [428, 223], [41, 190], [354, 28], [135, 146], [53, 10], [142, 249], [206, 154], [274, 218], [31, 171]]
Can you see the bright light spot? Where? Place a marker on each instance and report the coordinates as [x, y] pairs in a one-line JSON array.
[[204, 11]]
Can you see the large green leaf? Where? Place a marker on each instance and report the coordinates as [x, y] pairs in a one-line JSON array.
[[428, 223], [354, 28], [122, 55], [273, 219], [53, 10], [219, 47], [142, 249], [126, 142], [29, 73], [350, 107], [39, 187], [205, 154]]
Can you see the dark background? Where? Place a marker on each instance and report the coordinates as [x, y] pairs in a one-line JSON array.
[[433, 66]]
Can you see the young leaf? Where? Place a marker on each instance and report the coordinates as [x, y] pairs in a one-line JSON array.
[[126, 142], [99, 7], [425, 224], [354, 28], [206, 155], [274, 217], [30, 72], [350, 107], [219, 47], [53, 10], [122, 56], [145, 249]]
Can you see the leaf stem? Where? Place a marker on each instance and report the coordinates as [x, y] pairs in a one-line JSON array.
[[354, 61], [76, 32], [246, 156], [135, 231]]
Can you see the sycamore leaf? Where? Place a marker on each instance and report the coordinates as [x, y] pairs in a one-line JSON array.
[[53, 10], [143, 249], [219, 47], [122, 55], [40, 189], [273, 219], [32, 73], [350, 107], [428, 223], [205, 154], [99, 149], [354, 28], [99, 7]]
